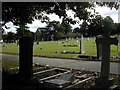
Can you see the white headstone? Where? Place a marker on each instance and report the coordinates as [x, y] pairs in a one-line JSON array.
[[82, 45], [118, 49], [88, 38], [76, 37], [77, 41], [58, 42], [66, 39], [42, 39]]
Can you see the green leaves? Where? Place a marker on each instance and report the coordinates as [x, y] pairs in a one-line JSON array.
[[24, 12]]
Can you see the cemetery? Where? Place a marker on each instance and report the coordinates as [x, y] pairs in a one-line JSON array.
[[47, 77], [44, 49], [96, 38]]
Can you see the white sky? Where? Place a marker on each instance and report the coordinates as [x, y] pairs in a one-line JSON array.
[[103, 11]]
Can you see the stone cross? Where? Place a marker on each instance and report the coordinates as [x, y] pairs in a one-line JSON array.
[[82, 45], [105, 41], [25, 57]]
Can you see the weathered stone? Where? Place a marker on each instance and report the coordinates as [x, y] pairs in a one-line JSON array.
[[82, 45], [25, 57], [105, 41], [118, 49]]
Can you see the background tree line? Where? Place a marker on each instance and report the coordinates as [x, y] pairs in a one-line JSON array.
[[57, 30], [22, 13]]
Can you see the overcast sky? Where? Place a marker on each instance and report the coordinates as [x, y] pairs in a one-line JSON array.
[[103, 11]]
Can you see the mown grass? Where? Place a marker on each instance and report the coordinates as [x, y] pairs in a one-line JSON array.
[[7, 64], [48, 48]]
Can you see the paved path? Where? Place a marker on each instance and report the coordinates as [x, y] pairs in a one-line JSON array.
[[67, 63]]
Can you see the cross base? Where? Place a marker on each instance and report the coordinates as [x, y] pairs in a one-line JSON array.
[[113, 87], [103, 82]]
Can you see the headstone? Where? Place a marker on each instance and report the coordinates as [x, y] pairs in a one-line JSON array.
[[77, 41], [106, 41], [66, 39], [82, 45], [42, 39], [118, 49], [99, 47], [52, 37], [25, 57], [88, 38], [58, 42], [61, 82], [17, 42], [76, 37]]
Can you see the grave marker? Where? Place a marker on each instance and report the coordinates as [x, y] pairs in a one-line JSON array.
[[105, 41], [77, 41], [99, 47], [82, 45], [118, 49], [25, 57], [58, 42], [52, 37], [66, 39], [88, 38], [77, 38]]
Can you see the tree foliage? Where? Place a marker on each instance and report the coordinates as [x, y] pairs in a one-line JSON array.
[[99, 24], [21, 13]]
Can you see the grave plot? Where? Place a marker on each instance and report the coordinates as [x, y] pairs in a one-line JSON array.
[[49, 74], [71, 80], [36, 68], [50, 77]]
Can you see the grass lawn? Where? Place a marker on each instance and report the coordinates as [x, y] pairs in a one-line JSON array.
[[50, 47]]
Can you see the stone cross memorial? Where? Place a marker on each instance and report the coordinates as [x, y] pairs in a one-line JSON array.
[[25, 57], [105, 41], [82, 45]]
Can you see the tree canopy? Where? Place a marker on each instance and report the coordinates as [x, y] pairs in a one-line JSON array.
[[21, 13]]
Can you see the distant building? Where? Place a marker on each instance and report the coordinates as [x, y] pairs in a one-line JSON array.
[[43, 33]]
